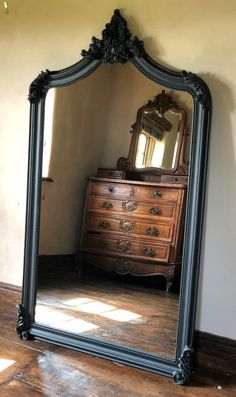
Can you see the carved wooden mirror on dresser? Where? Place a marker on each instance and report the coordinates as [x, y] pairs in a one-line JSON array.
[[136, 227], [114, 218]]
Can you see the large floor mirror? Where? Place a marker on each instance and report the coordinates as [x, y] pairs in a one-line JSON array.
[[116, 182]]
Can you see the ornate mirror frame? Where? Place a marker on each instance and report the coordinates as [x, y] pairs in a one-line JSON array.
[[162, 103], [117, 46]]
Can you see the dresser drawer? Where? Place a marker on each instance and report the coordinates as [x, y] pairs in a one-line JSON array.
[[111, 189], [134, 208], [155, 193], [127, 247], [129, 227], [141, 193]]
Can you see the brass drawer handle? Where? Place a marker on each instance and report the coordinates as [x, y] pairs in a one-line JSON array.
[[149, 252], [101, 244], [127, 226], [152, 231], [155, 211], [105, 225], [129, 206], [157, 193], [107, 205], [123, 246]]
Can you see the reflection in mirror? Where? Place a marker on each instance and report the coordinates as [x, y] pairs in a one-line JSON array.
[[158, 140], [110, 246]]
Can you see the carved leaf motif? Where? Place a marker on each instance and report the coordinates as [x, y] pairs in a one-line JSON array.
[[116, 45], [162, 102], [21, 325], [123, 164], [38, 87], [122, 267], [183, 169], [185, 365], [202, 95]]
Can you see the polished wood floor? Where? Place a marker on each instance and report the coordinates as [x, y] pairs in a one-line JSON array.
[[129, 311], [35, 368]]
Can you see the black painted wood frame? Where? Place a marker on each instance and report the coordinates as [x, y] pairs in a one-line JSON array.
[[117, 46]]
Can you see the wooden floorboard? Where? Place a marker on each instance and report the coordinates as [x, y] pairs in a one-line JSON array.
[[35, 368]]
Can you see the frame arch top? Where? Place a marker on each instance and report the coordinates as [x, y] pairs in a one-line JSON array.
[[118, 46]]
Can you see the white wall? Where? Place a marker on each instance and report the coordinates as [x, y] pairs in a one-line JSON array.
[[198, 36]]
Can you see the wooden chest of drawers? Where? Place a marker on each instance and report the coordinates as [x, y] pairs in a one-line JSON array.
[[133, 227]]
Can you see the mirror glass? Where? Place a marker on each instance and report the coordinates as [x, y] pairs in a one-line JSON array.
[[87, 126], [159, 140]]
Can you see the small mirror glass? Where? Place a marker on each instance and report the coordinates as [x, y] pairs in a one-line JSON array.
[[159, 139]]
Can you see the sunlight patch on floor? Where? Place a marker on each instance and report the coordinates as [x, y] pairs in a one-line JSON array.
[[121, 315], [48, 316], [76, 301], [5, 363], [95, 307], [76, 326], [91, 306]]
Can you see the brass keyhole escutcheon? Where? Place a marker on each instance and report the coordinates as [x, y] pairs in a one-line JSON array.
[[129, 206], [123, 246], [127, 226]]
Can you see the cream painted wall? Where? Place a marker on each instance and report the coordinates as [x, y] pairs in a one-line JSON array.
[[79, 129], [197, 36]]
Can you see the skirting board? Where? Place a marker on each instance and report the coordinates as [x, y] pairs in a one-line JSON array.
[[10, 288]]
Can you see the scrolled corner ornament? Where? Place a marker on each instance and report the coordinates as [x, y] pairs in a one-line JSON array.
[[182, 376], [202, 95], [21, 328], [183, 169], [123, 164], [116, 45], [38, 87]]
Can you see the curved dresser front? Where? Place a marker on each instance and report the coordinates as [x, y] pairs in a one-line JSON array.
[[133, 227]]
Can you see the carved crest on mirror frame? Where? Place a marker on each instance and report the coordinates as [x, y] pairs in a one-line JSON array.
[[116, 45]]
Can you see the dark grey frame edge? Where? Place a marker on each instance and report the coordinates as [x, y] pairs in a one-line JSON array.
[[181, 367]]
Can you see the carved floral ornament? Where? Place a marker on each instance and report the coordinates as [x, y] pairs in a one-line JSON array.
[[162, 102], [38, 87], [116, 45]]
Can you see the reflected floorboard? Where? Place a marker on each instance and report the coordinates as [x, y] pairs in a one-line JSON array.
[[127, 311]]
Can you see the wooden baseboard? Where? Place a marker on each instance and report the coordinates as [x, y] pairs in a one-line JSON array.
[[56, 262], [202, 338], [10, 287], [214, 352]]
